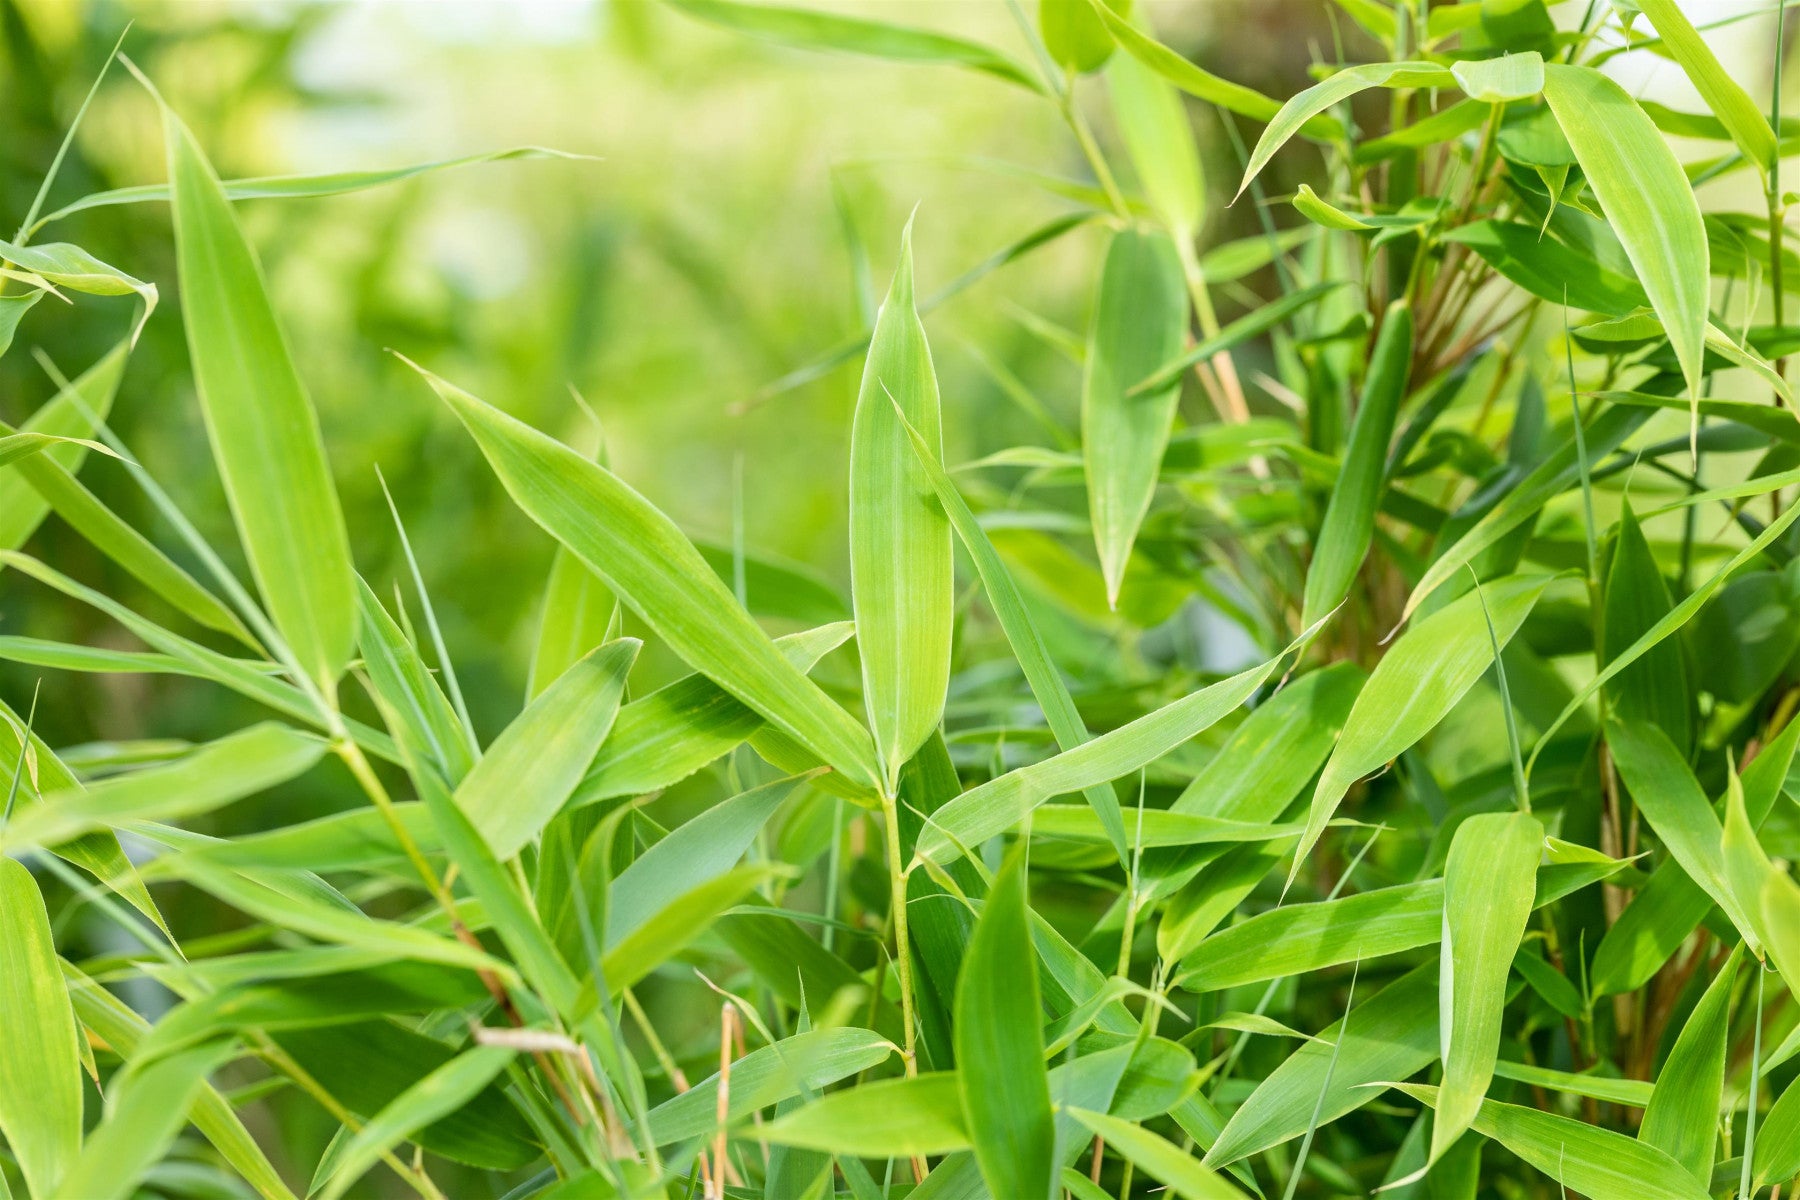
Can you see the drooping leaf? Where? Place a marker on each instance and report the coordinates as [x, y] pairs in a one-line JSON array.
[[647, 561], [1140, 317], [1644, 194]]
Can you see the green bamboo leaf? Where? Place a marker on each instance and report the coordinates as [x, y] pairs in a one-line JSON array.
[[1549, 269], [577, 616], [57, 487], [1669, 797], [666, 736], [1022, 634], [999, 804], [534, 766], [67, 265], [265, 435], [506, 908], [423, 716], [1349, 524], [147, 1107], [1252, 324], [1489, 883], [647, 561], [703, 849], [1677, 617], [70, 414], [1158, 1157], [1309, 205], [814, 30], [901, 584], [1000, 1045], [1332, 91], [293, 187], [215, 775], [14, 308], [329, 922], [1140, 319], [1633, 1093], [805, 1062], [1415, 685], [25, 758], [893, 1118], [40, 1062], [1725, 97], [367, 1065], [1498, 80], [1559, 472], [1074, 34], [1777, 1153], [1683, 1113], [1297, 938], [1655, 687], [123, 1029], [1640, 186], [1585, 1159], [1394, 1036], [433, 1097], [1154, 127]]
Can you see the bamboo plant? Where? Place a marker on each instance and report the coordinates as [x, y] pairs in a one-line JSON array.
[[1352, 752]]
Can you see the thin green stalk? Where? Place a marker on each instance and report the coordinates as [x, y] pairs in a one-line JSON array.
[[897, 876], [62, 151]]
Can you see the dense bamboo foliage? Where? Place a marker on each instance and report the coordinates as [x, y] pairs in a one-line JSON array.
[[1349, 747]]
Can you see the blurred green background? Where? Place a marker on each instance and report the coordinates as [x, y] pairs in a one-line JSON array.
[[703, 254]]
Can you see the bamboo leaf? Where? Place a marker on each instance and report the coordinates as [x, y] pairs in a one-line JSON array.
[[809, 1061], [435, 1096], [1646, 198], [219, 773], [1591, 1161], [148, 1107], [1684, 1109], [999, 804], [1140, 318], [645, 559], [1000, 1045], [1199, 83], [40, 1064], [1498, 80], [1332, 91], [265, 435], [813, 30], [534, 766], [1724, 96], [1425, 672], [1074, 34], [70, 414], [900, 566], [1349, 524], [892, 1118], [1158, 1157], [1488, 893]]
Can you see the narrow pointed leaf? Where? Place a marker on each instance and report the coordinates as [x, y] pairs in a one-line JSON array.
[[1683, 1115], [900, 565], [1000, 1045], [1140, 318], [1489, 883], [648, 562], [40, 1065], [265, 435]]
